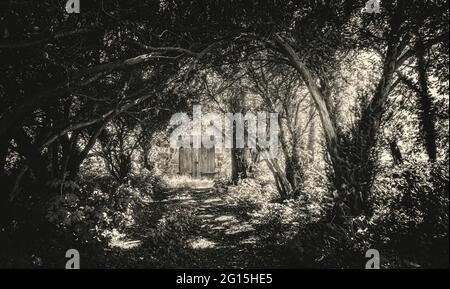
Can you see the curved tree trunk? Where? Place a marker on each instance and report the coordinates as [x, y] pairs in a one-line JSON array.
[[282, 183], [352, 160]]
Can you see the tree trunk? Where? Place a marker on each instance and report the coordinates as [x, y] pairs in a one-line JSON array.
[[426, 111], [239, 164], [319, 100], [365, 137], [311, 135], [352, 160], [76, 160], [282, 183], [294, 173], [145, 147], [395, 152]]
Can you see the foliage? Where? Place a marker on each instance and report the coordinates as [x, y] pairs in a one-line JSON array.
[[249, 195], [411, 216], [409, 225], [183, 181], [167, 246], [101, 86], [91, 214]]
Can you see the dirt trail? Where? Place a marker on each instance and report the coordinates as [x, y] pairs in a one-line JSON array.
[[224, 240]]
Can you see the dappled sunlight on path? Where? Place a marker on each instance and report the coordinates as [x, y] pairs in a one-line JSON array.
[[185, 182], [218, 238], [224, 240]]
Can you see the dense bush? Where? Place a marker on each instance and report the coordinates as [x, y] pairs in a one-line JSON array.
[[249, 195], [92, 214], [167, 244], [276, 223], [409, 225], [87, 214], [411, 213], [148, 183]]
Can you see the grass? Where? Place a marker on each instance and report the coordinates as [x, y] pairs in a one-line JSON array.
[[181, 181]]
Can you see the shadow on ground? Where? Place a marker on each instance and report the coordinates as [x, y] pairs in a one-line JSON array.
[[222, 239]]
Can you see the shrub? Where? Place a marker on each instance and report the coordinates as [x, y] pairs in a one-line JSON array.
[[167, 244], [276, 222], [148, 183], [411, 212], [91, 214], [249, 195]]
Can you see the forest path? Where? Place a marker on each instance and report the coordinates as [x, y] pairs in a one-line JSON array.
[[223, 240], [218, 236]]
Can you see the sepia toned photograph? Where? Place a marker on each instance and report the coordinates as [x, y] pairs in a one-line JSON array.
[[224, 134]]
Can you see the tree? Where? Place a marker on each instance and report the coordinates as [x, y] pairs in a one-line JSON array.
[[352, 171], [281, 91]]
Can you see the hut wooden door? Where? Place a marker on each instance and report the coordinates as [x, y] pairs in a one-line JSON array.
[[185, 161], [207, 161], [197, 162]]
